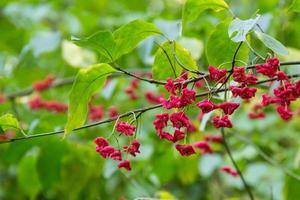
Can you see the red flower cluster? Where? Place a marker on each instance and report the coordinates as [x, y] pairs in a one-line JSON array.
[[229, 170], [131, 89], [220, 122], [187, 97], [240, 76], [214, 138], [218, 75], [43, 84], [269, 68], [243, 92], [2, 99], [113, 112], [178, 120], [204, 147], [107, 151], [257, 113], [152, 98], [207, 106], [38, 103], [125, 128], [95, 112]]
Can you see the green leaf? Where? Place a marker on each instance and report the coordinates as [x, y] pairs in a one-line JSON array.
[[8, 121], [49, 162], [130, 35], [114, 45], [220, 48], [87, 82], [295, 6], [291, 188], [167, 59], [193, 8], [27, 176], [241, 28], [272, 43], [101, 42]]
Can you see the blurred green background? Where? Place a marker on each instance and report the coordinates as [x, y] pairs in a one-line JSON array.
[[35, 41]]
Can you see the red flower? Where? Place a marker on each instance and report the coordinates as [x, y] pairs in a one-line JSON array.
[[165, 135], [251, 79], [173, 102], [125, 164], [125, 128], [224, 121], [113, 112], [95, 112], [185, 149], [179, 119], [161, 121], [206, 106], [284, 112], [215, 74], [43, 84], [101, 142], [266, 100], [116, 155], [36, 103], [268, 69], [256, 115], [133, 149], [105, 151], [244, 92], [281, 76], [213, 138], [229, 107], [239, 74], [152, 98], [2, 99], [178, 135], [170, 86], [187, 97], [203, 146], [229, 170]]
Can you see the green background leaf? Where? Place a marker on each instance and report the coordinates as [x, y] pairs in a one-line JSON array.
[[87, 82], [220, 48], [272, 43], [8, 121], [193, 8], [164, 56]]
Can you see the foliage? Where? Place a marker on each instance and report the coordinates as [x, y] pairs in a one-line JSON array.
[[94, 76]]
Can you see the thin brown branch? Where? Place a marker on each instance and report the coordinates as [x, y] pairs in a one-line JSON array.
[[129, 113]]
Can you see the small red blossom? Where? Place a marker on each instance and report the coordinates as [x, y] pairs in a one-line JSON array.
[[116, 155], [105, 151], [229, 107], [179, 119], [43, 84], [125, 164], [281, 76], [113, 112], [170, 86], [178, 135], [185, 149], [187, 97], [268, 69], [166, 135], [206, 106], [218, 75], [219, 122], [229, 170], [101, 142], [125, 128], [203, 146], [152, 98], [244, 92], [2, 99], [285, 113], [95, 112], [173, 102], [214, 138], [239, 74], [161, 121], [133, 149]]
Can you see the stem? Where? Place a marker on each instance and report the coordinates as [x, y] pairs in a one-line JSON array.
[[137, 111], [235, 165]]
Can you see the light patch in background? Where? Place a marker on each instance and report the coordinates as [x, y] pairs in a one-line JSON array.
[[77, 56]]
